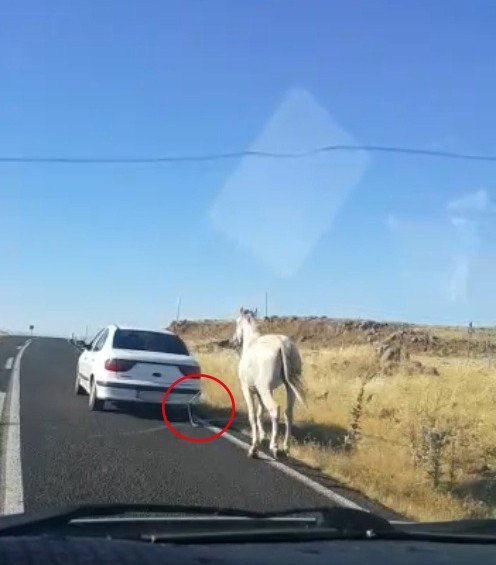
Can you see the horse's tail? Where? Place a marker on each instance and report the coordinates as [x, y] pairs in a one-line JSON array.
[[292, 375]]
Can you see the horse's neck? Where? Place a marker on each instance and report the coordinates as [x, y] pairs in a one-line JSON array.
[[250, 334]]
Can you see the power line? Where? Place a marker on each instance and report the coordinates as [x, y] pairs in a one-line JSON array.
[[249, 153]]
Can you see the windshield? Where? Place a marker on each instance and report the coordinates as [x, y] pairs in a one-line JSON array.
[[298, 196], [148, 341]]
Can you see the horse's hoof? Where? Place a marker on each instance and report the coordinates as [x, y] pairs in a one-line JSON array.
[[274, 452], [252, 452]]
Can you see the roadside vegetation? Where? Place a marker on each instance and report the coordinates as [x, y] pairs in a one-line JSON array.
[[414, 429]]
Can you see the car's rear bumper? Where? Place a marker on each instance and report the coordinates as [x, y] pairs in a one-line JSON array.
[[128, 392]]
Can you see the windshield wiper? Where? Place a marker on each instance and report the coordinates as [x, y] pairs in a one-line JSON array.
[[200, 524], [98, 517]]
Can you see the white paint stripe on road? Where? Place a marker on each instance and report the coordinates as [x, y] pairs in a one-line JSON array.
[[13, 500], [8, 364], [310, 483], [2, 399]]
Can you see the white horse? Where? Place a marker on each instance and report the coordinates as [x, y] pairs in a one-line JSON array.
[[267, 362]]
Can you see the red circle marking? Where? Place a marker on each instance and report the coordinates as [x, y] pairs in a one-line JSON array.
[[201, 439]]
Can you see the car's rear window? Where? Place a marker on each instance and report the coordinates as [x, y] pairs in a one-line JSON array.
[[149, 341]]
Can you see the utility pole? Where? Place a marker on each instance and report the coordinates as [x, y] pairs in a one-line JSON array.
[[469, 341], [266, 304], [178, 309]]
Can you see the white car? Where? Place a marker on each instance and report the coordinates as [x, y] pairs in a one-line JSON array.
[[124, 364]]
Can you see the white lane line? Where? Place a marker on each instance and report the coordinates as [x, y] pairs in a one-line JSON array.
[[8, 364], [314, 485], [13, 502], [2, 400]]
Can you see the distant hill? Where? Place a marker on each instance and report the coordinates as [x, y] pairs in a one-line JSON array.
[[323, 332]]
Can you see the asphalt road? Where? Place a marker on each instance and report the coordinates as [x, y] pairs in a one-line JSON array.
[[72, 456]]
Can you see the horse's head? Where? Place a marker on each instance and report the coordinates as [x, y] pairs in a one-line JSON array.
[[245, 317]]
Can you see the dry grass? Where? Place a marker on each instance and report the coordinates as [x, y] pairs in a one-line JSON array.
[[460, 402]]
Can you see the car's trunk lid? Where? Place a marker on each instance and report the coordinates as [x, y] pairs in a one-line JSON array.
[[160, 369]]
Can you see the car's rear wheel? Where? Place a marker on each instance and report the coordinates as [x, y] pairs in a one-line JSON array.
[[96, 404], [78, 389]]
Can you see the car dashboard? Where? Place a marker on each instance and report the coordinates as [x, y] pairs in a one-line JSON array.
[[54, 550]]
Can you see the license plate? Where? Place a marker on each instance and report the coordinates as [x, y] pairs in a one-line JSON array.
[[151, 396]]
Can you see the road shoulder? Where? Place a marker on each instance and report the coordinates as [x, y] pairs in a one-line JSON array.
[[11, 487]]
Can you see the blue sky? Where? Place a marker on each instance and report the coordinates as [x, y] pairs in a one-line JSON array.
[[363, 234]]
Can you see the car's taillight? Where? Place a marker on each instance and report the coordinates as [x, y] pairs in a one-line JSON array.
[[119, 365], [190, 370]]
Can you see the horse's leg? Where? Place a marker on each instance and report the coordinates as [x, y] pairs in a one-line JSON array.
[[251, 416], [273, 410], [261, 431], [288, 416]]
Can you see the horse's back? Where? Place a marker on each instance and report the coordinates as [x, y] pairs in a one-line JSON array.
[[262, 362]]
